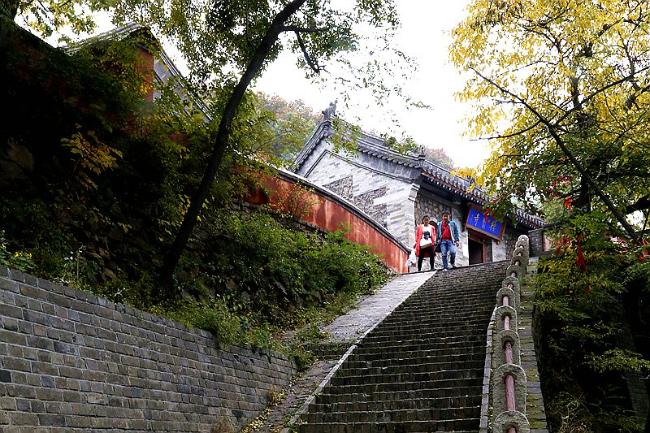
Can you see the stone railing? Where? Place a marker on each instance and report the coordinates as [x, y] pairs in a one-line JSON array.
[[504, 388]]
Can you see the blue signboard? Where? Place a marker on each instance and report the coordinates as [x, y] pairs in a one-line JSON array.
[[477, 220]]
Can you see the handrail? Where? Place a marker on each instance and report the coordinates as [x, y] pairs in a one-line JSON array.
[[507, 387]]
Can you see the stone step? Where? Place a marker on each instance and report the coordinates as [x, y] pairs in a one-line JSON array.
[[477, 355], [435, 298], [443, 316], [409, 346], [358, 405], [444, 334], [400, 415], [433, 295], [421, 369], [458, 285], [421, 312], [443, 329], [434, 355], [359, 369], [381, 396], [367, 388], [433, 301], [424, 337], [457, 426], [432, 325], [426, 376]]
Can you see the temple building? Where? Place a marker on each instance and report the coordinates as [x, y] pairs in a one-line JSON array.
[[397, 190]]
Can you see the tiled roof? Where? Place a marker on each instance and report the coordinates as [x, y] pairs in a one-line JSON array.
[[433, 173], [115, 34], [164, 67]]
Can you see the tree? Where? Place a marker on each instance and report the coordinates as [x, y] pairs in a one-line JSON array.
[[48, 16], [292, 121], [439, 156], [561, 90], [228, 44], [573, 81], [244, 37]]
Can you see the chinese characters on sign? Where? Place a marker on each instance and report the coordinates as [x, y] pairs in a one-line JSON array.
[[477, 220]]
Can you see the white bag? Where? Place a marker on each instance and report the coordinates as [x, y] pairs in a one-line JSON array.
[[412, 260]]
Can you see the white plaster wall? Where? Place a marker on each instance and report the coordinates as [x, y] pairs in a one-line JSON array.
[[498, 251], [313, 158]]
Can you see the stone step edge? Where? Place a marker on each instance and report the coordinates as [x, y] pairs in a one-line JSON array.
[[409, 384], [408, 373], [396, 411], [429, 400], [423, 423]]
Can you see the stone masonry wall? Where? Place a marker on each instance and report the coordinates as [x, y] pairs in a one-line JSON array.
[[383, 197], [73, 362]]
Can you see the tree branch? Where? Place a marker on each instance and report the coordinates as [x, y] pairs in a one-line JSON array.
[[313, 65], [552, 129], [221, 142], [641, 204], [513, 134], [303, 29]]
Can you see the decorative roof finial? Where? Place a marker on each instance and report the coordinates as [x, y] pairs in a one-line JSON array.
[[330, 111]]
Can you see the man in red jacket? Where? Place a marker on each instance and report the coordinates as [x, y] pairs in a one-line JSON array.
[[449, 239]]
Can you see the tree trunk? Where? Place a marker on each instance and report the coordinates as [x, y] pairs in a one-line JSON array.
[[9, 8], [220, 144]]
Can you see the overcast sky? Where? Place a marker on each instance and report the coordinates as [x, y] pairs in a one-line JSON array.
[[425, 36]]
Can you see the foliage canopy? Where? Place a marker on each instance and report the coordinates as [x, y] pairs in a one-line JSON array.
[[561, 88]]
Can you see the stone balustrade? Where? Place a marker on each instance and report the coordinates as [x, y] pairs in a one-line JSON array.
[[505, 388]]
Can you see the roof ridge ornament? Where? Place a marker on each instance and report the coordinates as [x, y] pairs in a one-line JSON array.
[[330, 111]]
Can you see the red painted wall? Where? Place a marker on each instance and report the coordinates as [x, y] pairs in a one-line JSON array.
[[324, 212], [145, 67]]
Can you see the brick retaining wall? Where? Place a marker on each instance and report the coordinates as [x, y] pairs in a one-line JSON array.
[[71, 361]]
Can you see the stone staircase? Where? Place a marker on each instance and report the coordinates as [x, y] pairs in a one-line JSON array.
[[421, 369]]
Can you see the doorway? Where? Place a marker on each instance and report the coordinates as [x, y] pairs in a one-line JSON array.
[[476, 251]]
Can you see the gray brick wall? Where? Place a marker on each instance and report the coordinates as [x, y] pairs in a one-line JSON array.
[[71, 362]]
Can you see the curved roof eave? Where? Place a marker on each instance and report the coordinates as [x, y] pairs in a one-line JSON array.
[[442, 177]]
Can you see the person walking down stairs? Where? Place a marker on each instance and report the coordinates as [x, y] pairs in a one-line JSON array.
[[425, 239], [449, 239]]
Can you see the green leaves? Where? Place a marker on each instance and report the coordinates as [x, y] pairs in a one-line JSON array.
[[566, 85], [20, 260], [617, 360]]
